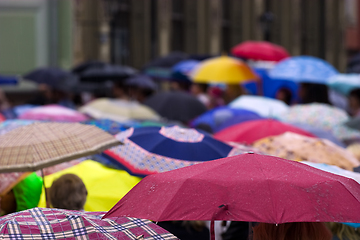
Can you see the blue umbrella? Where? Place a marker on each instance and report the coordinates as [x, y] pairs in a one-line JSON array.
[[344, 83], [182, 69], [8, 80], [10, 125], [217, 116], [303, 69], [149, 150]]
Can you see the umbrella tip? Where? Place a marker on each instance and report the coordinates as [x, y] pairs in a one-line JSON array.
[[250, 152]]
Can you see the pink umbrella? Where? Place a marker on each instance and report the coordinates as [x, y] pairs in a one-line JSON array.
[[55, 113], [246, 187]]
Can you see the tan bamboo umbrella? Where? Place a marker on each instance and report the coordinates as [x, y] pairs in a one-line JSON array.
[[40, 145], [296, 147]]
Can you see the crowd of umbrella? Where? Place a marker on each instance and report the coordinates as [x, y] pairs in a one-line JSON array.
[[252, 168]]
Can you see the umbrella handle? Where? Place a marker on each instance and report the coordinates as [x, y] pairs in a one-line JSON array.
[[46, 195], [212, 224]]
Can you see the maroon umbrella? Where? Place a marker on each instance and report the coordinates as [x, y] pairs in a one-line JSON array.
[[247, 187], [251, 131]]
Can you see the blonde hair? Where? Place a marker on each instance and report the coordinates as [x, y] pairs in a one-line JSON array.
[[293, 231], [343, 231]]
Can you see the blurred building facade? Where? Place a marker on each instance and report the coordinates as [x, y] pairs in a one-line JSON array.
[[66, 32], [35, 33], [134, 31]]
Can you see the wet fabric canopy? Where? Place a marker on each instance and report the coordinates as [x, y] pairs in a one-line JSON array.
[[247, 187]]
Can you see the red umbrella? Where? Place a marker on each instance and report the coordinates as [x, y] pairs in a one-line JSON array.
[[247, 187], [250, 131], [260, 50]]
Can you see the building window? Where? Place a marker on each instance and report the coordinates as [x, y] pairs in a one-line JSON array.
[[177, 26]]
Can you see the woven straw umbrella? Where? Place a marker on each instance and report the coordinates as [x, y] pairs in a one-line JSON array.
[[39, 145]]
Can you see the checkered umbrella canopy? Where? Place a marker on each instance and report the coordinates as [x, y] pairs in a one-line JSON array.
[[40, 145], [45, 223]]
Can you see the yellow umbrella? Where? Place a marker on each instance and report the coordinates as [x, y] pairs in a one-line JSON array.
[[223, 69], [105, 186]]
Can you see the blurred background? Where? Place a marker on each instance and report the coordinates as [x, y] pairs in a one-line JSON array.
[[64, 33]]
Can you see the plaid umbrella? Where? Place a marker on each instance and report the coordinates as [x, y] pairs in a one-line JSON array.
[[40, 145], [44, 223], [301, 148], [150, 150]]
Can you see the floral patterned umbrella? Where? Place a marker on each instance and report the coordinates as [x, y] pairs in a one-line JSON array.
[[301, 148]]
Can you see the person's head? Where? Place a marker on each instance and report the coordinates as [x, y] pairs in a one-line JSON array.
[[354, 101], [343, 231], [178, 85], [198, 88], [313, 92], [233, 91], [285, 95], [120, 90], [293, 231], [68, 192]]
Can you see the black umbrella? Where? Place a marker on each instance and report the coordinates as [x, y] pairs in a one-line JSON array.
[[141, 81], [56, 78], [161, 67], [106, 72], [87, 65], [176, 105]]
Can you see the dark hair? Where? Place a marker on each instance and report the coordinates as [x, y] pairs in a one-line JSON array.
[[288, 95], [314, 92], [355, 93], [293, 231], [68, 192]]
